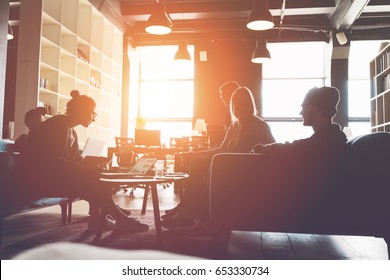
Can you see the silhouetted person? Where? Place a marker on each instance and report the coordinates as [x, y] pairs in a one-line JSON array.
[[32, 119], [318, 109], [52, 167], [225, 93]]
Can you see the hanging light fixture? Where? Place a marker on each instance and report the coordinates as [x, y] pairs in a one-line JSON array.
[[260, 18], [182, 52], [10, 34], [261, 53], [159, 22]]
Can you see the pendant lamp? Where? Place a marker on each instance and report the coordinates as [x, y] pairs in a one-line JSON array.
[[182, 52], [159, 22], [261, 53], [10, 34], [260, 18]]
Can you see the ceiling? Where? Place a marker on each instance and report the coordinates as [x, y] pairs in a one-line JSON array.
[[295, 20], [199, 20]]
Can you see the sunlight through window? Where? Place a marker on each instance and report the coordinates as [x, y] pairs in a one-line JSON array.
[[292, 71], [165, 91]]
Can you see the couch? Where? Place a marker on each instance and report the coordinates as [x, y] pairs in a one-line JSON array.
[[254, 192], [13, 201]]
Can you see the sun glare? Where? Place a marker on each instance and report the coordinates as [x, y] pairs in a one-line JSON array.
[[165, 90]]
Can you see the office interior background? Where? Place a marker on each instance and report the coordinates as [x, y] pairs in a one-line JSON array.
[[102, 49]]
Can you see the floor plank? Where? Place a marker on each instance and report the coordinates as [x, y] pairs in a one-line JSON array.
[[245, 245], [276, 246]]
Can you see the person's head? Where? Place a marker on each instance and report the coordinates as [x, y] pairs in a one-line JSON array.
[[242, 104], [320, 105], [226, 91], [34, 117], [81, 109]]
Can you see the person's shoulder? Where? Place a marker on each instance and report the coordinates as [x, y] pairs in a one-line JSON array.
[[259, 120], [55, 123], [56, 120], [22, 137], [20, 142]]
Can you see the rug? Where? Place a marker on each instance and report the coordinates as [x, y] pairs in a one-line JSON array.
[[78, 232]]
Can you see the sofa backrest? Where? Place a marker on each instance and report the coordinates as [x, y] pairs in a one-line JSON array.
[[369, 150], [368, 159], [6, 145], [364, 186]]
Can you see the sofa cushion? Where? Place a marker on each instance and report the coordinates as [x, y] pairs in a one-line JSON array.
[[12, 200]]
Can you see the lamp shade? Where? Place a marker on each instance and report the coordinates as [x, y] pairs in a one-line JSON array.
[[200, 125], [261, 53], [159, 22], [260, 18], [182, 52], [10, 34]]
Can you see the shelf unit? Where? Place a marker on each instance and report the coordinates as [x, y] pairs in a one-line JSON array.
[[66, 45], [380, 91]]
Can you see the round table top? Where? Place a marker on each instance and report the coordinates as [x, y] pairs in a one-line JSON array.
[[140, 179]]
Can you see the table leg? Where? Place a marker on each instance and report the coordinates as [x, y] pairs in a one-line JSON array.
[[156, 210], [145, 201]]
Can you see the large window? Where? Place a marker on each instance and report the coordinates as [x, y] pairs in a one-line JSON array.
[[292, 71], [164, 93]]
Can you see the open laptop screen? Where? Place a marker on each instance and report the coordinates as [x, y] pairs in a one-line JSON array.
[[93, 147], [148, 138]]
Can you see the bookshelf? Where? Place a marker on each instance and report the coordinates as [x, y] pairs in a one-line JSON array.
[[380, 91], [66, 45]]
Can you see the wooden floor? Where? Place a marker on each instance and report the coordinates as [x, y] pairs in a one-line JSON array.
[[243, 245]]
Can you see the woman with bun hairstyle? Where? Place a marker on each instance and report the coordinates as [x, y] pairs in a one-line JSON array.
[[53, 167]]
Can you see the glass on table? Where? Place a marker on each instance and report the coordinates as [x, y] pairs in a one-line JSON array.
[[159, 168]]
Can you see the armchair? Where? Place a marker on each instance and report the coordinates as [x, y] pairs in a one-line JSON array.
[[272, 195]]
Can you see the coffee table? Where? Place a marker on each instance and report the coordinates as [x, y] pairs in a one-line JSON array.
[[149, 184]]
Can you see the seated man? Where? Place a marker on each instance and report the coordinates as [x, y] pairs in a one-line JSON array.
[[310, 164], [318, 109]]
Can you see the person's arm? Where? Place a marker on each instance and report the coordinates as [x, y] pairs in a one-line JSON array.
[[187, 157], [75, 149]]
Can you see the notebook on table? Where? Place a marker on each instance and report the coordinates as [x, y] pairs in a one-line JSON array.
[[140, 169]]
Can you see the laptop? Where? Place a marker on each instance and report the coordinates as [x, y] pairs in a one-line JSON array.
[[93, 147], [140, 169], [93, 151]]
